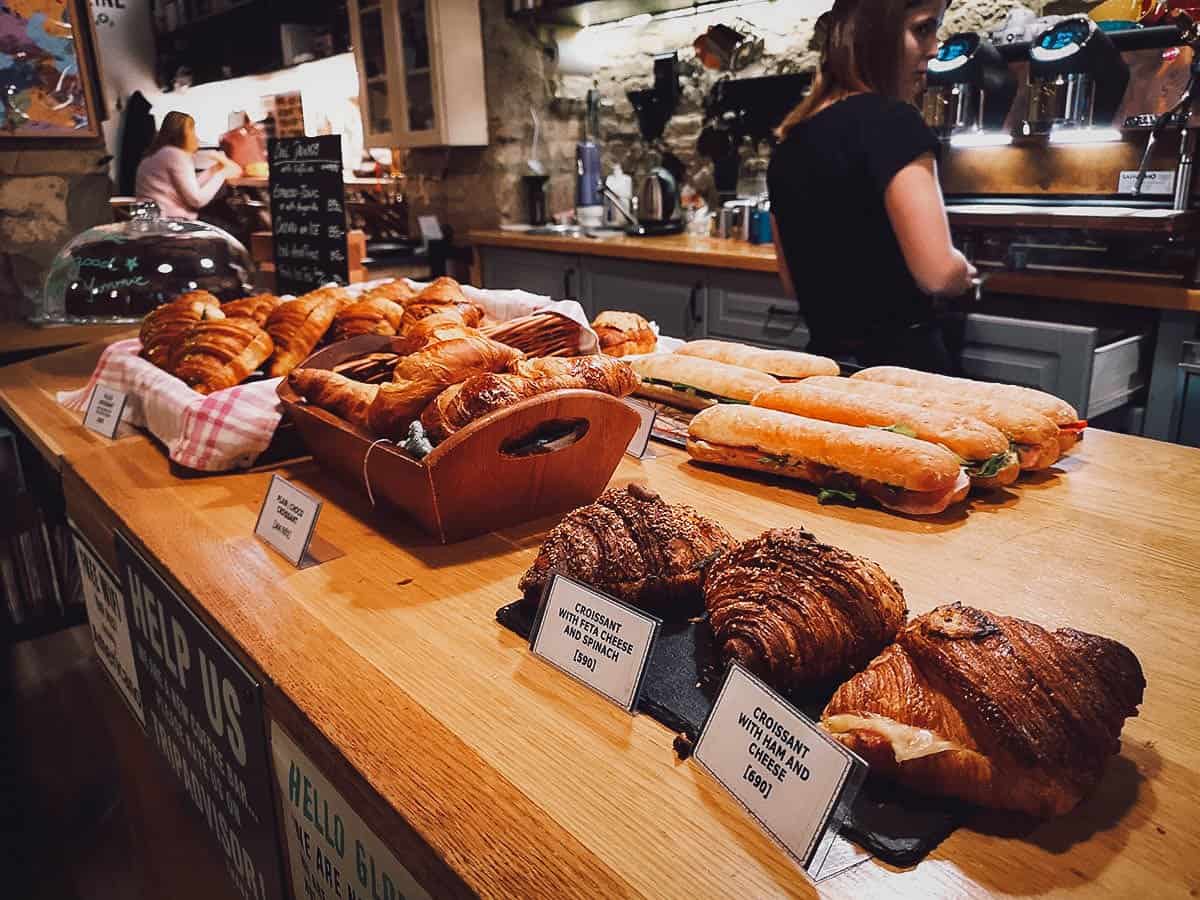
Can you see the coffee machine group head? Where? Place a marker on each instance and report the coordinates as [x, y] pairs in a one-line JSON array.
[[969, 87], [1077, 77]]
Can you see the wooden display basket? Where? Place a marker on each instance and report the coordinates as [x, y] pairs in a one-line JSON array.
[[542, 456]]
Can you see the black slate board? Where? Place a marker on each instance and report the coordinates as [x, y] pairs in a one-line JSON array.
[[682, 680]]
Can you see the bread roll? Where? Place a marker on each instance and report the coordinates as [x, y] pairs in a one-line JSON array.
[[623, 333], [786, 365], [697, 383]]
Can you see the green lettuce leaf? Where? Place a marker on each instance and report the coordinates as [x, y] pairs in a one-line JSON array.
[[898, 428], [991, 466], [829, 495]]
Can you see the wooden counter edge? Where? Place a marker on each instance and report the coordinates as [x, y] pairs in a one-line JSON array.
[[428, 860]]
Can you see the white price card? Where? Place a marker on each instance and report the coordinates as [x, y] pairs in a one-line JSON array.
[[788, 773], [594, 639], [288, 519], [640, 442], [104, 411]]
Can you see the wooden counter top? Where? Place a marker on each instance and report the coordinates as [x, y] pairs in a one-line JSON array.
[[681, 249], [18, 337], [27, 396], [722, 253], [527, 784]]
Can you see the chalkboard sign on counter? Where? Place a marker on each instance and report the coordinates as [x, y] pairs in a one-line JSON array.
[[308, 213], [204, 715]]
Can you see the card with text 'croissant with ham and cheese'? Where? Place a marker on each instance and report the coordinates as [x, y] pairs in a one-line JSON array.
[[792, 777]]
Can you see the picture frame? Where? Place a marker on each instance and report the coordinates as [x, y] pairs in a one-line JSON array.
[[49, 84]]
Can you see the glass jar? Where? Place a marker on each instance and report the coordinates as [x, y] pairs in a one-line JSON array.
[[119, 272]]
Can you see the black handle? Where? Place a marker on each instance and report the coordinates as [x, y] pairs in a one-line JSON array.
[[695, 314], [568, 278]]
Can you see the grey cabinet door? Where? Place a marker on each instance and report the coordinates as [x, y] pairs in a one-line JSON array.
[[752, 306], [672, 296], [1050, 356], [555, 275]]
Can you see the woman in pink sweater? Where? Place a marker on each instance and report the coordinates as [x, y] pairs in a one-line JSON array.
[[167, 175]]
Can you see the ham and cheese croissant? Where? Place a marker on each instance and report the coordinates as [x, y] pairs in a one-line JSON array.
[[990, 709], [795, 611]]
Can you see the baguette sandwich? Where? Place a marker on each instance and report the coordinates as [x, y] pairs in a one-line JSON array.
[[785, 365], [692, 383], [984, 450], [1058, 411], [898, 472], [1033, 437]]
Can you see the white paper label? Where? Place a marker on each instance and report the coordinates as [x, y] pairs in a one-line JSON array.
[[595, 639], [332, 854], [785, 770], [1157, 182], [641, 438], [431, 228], [104, 410], [110, 629], [288, 519]]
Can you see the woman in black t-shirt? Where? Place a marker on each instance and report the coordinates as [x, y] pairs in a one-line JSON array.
[[860, 225]]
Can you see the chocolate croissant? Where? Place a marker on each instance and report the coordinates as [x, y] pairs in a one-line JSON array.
[[373, 315], [297, 326], [258, 308], [635, 546], [163, 329], [990, 709], [795, 611], [220, 354]]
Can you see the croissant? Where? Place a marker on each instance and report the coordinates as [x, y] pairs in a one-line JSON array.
[[220, 354], [258, 308], [469, 314], [298, 325], [795, 611], [374, 315], [443, 289], [485, 394], [420, 333], [350, 400], [633, 545], [398, 291], [163, 329], [598, 372], [624, 333], [990, 709]]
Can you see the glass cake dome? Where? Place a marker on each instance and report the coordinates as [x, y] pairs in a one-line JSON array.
[[119, 272]]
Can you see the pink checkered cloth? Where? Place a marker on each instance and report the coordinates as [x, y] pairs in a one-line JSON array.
[[225, 430]]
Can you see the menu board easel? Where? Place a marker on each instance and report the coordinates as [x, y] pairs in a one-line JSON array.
[[308, 213]]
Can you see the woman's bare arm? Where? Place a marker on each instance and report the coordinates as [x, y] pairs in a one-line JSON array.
[[913, 200]]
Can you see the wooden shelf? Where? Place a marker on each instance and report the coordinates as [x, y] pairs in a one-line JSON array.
[[20, 337]]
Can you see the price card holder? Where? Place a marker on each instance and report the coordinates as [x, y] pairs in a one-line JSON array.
[[789, 774], [288, 519], [639, 445], [594, 639], [104, 410]]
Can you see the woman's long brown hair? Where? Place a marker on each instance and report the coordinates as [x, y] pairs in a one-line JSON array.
[[178, 129], [861, 53]]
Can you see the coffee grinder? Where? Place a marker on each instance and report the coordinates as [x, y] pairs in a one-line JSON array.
[[969, 91]]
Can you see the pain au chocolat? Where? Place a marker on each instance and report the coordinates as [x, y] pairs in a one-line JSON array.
[[633, 545], [795, 611], [991, 709]]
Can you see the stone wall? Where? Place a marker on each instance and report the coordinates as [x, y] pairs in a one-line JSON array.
[[46, 198], [481, 187]]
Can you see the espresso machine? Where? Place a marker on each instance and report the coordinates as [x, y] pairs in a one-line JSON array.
[[1077, 78], [969, 91]]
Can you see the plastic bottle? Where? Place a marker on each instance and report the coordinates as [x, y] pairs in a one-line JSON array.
[[622, 186]]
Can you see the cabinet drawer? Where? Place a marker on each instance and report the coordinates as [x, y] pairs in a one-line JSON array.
[[1092, 370], [552, 274], [672, 296], [749, 306]]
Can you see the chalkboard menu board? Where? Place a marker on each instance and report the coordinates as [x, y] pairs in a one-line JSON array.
[[204, 715], [308, 213]]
